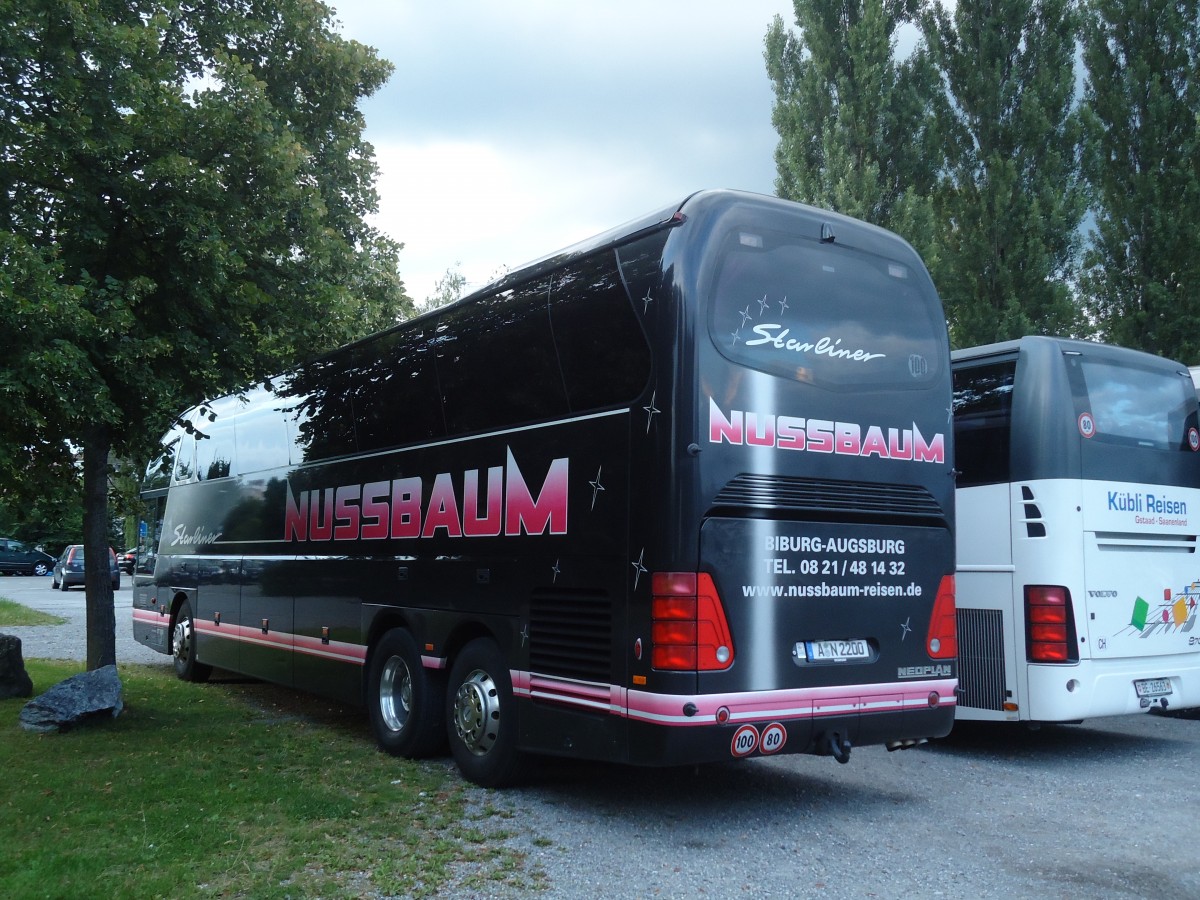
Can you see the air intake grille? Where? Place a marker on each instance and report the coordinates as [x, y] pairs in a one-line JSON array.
[[981, 659], [570, 634], [809, 495]]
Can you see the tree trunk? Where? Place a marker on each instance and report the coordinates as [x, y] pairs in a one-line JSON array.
[[97, 572]]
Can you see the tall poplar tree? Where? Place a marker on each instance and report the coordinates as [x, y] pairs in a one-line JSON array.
[[1142, 271], [854, 124], [185, 187], [1011, 199]]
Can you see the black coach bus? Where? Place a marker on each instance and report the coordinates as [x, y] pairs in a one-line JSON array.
[[676, 494]]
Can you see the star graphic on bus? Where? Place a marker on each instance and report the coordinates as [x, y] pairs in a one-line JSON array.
[[646, 301], [763, 304], [746, 317], [905, 628], [556, 570], [638, 569], [597, 487], [783, 305], [736, 335], [651, 411]]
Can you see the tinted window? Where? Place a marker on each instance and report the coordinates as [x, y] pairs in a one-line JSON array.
[[983, 422], [316, 401], [214, 447], [601, 347], [824, 313], [1132, 405], [394, 390], [185, 461], [158, 473], [262, 440], [496, 362]]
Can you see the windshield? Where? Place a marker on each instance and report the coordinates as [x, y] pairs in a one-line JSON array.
[[824, 313]]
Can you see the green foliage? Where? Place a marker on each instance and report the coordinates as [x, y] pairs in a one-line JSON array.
[[1142, 272], [185, 202], [233, 790], [1011, 198], [855, 130]]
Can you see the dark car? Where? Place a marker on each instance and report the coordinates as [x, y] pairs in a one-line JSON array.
[[126, 561], [17, 558], [68, 571]]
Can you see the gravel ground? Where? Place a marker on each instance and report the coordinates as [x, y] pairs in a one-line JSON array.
[[1100, 810]]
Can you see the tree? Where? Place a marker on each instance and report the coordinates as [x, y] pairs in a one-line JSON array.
[[185, 192], [855, 130], [1141, 277], [1011, 201]]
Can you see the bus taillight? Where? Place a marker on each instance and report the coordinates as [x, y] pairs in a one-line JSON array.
[[942, 640], [689, 631], [1049, 624]]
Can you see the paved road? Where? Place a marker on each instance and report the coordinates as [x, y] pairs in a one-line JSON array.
[[70, 641]]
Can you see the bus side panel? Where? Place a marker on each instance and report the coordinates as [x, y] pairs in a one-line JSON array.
[[267, 614]]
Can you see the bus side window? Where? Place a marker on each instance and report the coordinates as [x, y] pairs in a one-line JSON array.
[[214, 448], [496, 362], [983, 422], [185, 460], [262, 440], [601, 346], [394, 392], [317, 408]]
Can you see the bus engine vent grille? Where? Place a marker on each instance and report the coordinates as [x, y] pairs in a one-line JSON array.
[[981, 659], [811, 495], [570, 634]]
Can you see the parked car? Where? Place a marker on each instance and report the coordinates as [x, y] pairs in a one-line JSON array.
[[68, 571], [17, 558], [126, 561]]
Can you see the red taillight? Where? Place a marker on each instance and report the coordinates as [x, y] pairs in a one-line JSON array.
[[688, 628], [1049, 624], [942, 640]]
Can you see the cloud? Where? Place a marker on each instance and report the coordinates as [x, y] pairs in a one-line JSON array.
[[511, 129]]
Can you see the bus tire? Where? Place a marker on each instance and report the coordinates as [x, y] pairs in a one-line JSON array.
[[480, 716], [183, 647], [405, 700]]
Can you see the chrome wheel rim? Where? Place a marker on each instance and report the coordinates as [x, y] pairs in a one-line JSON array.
[[477, 712], [395, 693], [182, 640]]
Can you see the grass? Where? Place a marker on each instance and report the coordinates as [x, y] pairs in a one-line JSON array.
[[234, 789], [13, 613]]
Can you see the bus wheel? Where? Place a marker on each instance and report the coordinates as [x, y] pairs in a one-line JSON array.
[[183, 647], [405, 702], [482, 724]]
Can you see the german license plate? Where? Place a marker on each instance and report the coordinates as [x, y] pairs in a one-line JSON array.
[[836, 651], [1152, 687]]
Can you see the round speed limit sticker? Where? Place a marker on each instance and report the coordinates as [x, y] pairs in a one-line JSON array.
[[1087, 425]]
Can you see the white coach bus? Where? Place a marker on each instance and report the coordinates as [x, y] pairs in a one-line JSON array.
[[1078, 513]]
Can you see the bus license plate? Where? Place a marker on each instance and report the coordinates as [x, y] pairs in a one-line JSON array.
[[1152, 687], [836, 651]]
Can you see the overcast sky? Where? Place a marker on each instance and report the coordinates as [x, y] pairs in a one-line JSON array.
[[513, 128]]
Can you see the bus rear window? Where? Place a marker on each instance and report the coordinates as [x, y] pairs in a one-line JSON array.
[[1134, 406], [824, 314]]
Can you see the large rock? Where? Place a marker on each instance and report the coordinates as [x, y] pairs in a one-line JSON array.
[[14, 680], [81, 698]]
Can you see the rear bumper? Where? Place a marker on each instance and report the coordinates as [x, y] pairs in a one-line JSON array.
[[1095, 688]]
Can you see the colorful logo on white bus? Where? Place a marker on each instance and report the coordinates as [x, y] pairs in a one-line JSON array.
[[1176, 612]]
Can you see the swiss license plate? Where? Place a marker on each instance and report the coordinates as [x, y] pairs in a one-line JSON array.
[[836, 651], [1152, 687]]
